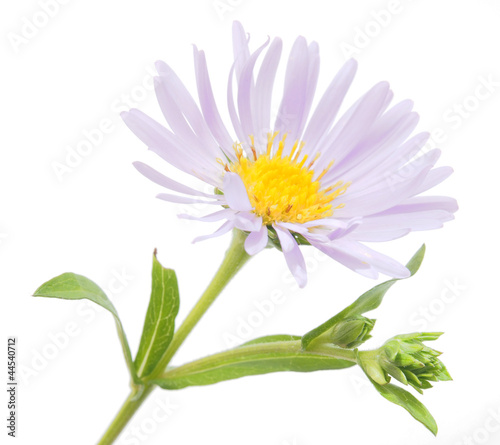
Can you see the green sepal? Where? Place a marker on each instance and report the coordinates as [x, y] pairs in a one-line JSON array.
[[159, 323], [403, 359], [273, 240], [395, 372], [367, 302], [370, 362], [70, 286]]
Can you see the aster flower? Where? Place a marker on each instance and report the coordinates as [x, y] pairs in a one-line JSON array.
[[310, 178]]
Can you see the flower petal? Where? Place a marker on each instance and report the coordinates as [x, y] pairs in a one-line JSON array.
[[405, 153], [166, 145], [256, 241], [312, 81], [168, 183], [240, 48], [293, 255], [353, 126], [226, 227], [208, 105], [235, 120], [328, 107], [185, 200], [347, 259], [186, 104], [293, 105], [380, 143], [247, 221], [417, 213], [263, 92], [391, 190], [435, 177], [380, 262], [235, 193], [212, 217], [246, 93], [379, 235], [174, 117]]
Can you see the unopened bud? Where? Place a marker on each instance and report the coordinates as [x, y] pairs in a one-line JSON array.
[[409, 361], [352, 332]]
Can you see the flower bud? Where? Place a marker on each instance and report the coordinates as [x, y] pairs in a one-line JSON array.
[[409, 361], [351, 332]]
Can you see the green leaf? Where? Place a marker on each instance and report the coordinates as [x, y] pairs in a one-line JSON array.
[[70, 286], [160, 319], [403, 398], [271, 339], [367, 302], [251, 359]]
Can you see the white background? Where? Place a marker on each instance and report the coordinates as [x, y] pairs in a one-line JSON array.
[[73, 72]]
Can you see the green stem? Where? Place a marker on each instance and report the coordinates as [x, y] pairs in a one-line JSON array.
[[128, 409], [234, 259], [335, 352]]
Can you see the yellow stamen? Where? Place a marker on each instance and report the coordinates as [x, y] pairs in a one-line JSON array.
[[281, 189], [281, 147], [252, 147], [304, 159], [314, 160], [323, 173], [270, 142], [221, 162]]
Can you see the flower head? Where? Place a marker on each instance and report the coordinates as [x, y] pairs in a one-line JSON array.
[[309, 178]]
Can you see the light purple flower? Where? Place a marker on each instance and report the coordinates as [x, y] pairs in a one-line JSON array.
[[310, 177]]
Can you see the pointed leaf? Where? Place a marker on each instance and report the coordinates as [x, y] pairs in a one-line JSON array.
[[160, 319], [410, 403], [70, 286], [253, 359], [403, 398], [367, 302]]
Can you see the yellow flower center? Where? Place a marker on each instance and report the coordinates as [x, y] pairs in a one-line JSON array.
[[284, 189]]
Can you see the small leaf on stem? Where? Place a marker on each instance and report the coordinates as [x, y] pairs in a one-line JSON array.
[[367, 302], [159, 324], [403, 398], [70, 286]]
